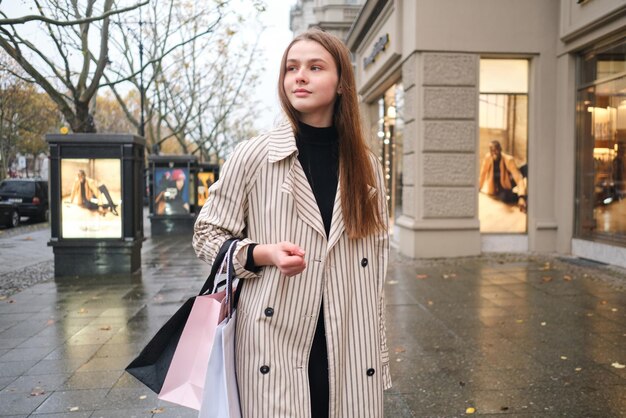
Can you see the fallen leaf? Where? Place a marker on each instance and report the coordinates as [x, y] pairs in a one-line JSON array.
[[82, 310], [27, 239], [143, 397], [563, 357], [3, 297], [105, 328], [422, 276], [519, 321], [590, 314], [546, 279], [504, 408], [543, 324], [157, 410], [470, 410], [398, 360], [392, 282], [431, 303], [604, 302], [37, 391], [577, 369], [613, 309], [50, 322], [618, 365], [74, 409], [400, 350], [567, 278], [461, 383], [11, 301]]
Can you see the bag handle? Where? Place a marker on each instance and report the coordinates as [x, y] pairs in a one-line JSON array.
[[217, 265], [230, 276]]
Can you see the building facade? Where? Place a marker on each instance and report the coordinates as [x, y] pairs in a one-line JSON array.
[[498, 131], [334, 16]]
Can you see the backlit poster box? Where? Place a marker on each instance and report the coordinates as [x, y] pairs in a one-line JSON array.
[[91, 203], [96, 210]]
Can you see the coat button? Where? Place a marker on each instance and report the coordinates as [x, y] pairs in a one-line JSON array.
[[364, 262], [370, 372], [269, 312], [264, 369]]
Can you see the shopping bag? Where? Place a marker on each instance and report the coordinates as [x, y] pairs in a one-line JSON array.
[[185, 378], [220, 397], [151, 365]]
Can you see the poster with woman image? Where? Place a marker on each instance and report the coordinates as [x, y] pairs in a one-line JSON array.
[[91, 204], [171, 191]]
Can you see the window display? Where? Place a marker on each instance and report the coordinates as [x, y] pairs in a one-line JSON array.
[[601, 131], [503, 122], [390, 127]]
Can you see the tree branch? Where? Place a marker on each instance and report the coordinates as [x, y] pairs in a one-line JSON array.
[[29, 18]]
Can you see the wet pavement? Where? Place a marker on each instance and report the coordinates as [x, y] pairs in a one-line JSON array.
[[506, 335]]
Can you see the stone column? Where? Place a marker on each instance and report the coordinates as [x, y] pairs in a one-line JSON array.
[[440, 200]]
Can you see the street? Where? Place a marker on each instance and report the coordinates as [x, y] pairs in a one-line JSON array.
[[512, 335]]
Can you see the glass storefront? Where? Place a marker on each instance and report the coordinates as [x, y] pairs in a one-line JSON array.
[[601, 144], [503, 137], [389, 130]]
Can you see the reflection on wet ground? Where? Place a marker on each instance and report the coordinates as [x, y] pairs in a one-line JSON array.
[[522, 336]]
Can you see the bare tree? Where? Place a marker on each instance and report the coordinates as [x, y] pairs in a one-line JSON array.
[[200, 83], [62, 65]]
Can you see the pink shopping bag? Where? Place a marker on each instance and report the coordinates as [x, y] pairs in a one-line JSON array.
[[185, 377]]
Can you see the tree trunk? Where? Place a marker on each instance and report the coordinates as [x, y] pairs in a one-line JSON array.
[[83, 121]]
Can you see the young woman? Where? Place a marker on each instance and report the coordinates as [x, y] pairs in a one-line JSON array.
[[307, 200]]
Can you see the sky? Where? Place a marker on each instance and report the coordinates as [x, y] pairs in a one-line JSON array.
[[273, 43]]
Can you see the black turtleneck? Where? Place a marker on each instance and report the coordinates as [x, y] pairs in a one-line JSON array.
[[318, 153]]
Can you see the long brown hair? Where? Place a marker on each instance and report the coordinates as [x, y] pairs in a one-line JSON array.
[[360, 212]]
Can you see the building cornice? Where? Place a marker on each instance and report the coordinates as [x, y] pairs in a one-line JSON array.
[[364, 21]]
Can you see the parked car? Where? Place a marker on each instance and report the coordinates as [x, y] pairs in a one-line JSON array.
[[30, 196], [9, 215]]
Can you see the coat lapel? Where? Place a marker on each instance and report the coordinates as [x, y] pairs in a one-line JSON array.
[[297, 185], [283, 147], [336, 226]]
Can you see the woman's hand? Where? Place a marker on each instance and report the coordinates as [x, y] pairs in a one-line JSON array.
[[288, 257]]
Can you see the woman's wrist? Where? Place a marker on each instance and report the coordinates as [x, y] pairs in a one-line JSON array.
[[262, 254]]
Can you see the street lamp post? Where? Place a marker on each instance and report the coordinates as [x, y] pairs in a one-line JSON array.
[[141, 90]]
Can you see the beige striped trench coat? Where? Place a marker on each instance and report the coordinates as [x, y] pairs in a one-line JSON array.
[[263, 196]]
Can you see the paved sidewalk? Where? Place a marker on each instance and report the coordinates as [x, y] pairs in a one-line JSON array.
[[509, 335]]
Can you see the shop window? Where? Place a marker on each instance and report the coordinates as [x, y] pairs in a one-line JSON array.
[[503, 122], [601, 144], [389, 132]]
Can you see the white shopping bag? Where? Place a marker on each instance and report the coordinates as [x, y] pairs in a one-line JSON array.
[[220, 398]]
